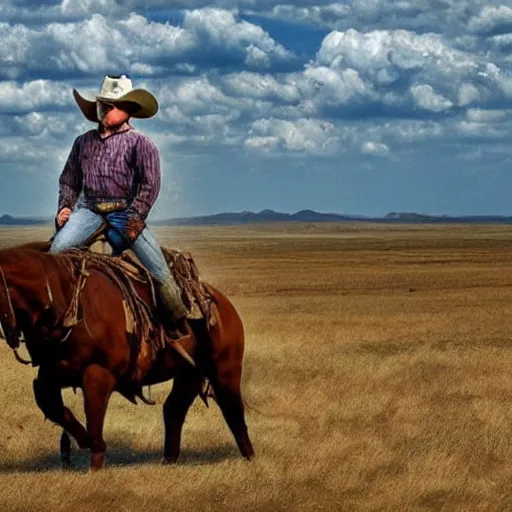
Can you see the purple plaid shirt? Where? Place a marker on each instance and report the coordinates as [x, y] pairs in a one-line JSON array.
[[125, 165]]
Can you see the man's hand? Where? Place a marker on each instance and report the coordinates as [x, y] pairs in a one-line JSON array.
[[63, 216]]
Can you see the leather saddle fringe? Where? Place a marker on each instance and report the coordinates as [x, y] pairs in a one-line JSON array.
[[146, 336], [194, 292], [142, 331]]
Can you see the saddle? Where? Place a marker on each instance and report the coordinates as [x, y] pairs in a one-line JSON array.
[[125, 269], [195, 294]]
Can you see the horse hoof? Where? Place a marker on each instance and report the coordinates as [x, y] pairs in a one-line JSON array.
[[97, 460], [166, 461]]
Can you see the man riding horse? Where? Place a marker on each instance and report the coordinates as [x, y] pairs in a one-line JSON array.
[[113, 174]]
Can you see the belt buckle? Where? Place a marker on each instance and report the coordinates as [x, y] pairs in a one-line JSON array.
[[105, 207]]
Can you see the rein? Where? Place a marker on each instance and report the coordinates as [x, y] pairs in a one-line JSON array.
[[8, 324], [8, 327]]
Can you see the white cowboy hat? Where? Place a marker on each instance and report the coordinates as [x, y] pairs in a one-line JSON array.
[[119, 89]]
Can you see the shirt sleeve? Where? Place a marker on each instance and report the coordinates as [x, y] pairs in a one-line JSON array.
[[70, 181], [147, 179]]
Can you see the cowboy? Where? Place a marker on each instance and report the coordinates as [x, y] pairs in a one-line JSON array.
[[113, 174]]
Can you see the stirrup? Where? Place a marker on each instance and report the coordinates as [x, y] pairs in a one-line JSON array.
[[175, 344]]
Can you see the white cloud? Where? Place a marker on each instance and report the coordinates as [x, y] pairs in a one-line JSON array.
[[375, 148], [491, 18], [328, 15], [427, 99], [478, 129], [31, 138], [35, 95], [409, 131], [315, 111], [208, 37], [467, 94], [263, 87], [402, 70], [199, 96], [303, 135], [337, 87], [76, 8], [394, 51], [222, 29], [478, 115], [266, 144]]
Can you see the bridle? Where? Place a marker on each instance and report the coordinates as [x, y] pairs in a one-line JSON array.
[[8, 326]]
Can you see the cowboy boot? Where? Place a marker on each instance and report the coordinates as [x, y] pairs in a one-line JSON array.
[[175, 325], [170, 297]]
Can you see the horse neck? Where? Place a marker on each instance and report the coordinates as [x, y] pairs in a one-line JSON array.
[[29, 283]]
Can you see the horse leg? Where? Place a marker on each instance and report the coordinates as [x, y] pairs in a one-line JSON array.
[[48, 396], [226, 385], [185, 388], [98, 384], [65, 450]]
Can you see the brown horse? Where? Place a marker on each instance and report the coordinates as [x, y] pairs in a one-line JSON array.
[[36, 289]]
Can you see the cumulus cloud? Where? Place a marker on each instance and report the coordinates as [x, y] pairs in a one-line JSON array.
[[410, 131], [394, 52], [303, 135], [467, 94], [401, 70], [40, 13], [478, 115], [33, 95], [329, 15], [199, 96], [375, 148], [263, 87], [354, 75], [426, 98], [492, 20], [502, 42], [337, 86], [208, 38], [29, 138], [419, 15], [480, 130], [85, 7]]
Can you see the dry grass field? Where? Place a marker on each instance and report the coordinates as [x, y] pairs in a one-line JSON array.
[[378, 369]]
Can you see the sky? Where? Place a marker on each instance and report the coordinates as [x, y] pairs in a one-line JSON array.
[[354, 107]]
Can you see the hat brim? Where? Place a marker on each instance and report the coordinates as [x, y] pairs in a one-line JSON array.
[[148, 106]]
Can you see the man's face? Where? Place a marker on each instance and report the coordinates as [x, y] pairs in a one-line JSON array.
[[110, 115]]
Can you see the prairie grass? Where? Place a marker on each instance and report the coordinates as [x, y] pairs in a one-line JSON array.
[[378, 374]]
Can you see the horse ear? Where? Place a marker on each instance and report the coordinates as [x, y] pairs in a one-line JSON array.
[[8, 328]]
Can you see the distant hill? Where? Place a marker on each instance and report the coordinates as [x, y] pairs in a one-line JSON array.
[[428, 219], [247, 217], [312, 216], [8, 220]]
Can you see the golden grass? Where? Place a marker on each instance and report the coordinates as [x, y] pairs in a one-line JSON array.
[[378, 368]]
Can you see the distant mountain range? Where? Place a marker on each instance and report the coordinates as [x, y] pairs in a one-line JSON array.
[[312, 216], [301, 216]]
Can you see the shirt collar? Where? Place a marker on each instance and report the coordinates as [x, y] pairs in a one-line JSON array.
[[120, 129]]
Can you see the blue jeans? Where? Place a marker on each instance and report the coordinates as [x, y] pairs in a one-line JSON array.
[[83, 223]]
